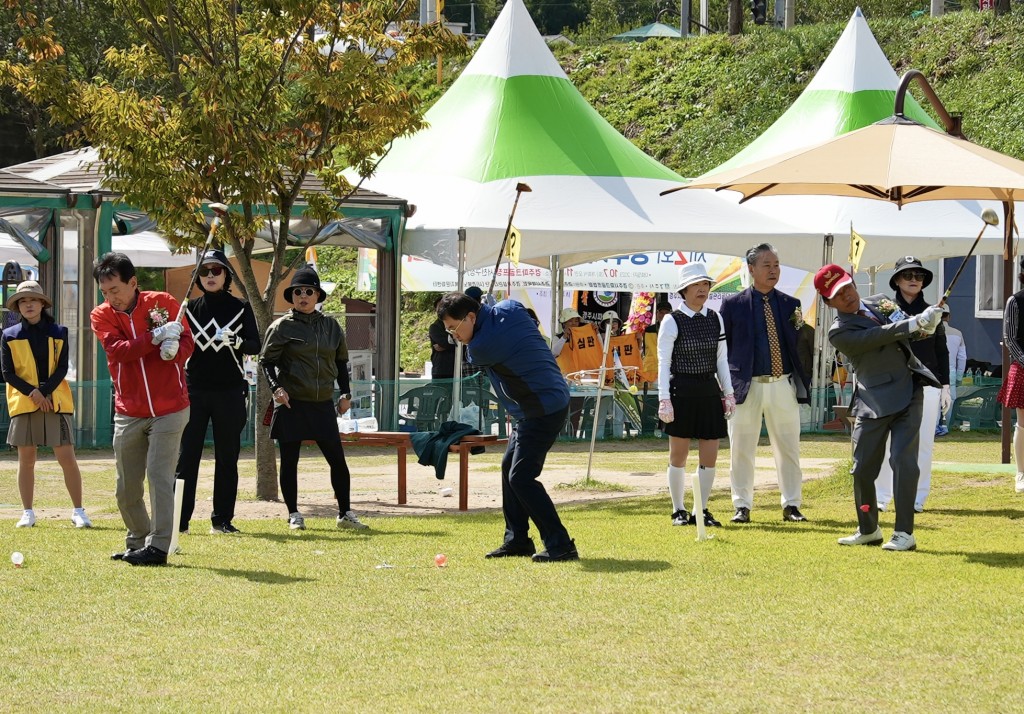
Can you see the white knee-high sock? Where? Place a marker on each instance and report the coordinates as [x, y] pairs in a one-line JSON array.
[[707, 480], [1018, 447], [677, 487]]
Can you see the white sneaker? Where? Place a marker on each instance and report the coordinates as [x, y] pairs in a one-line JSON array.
[[351, 520], [901, 541], [79, 518], [1019, 486], [296, 522], [858, 538], [28, 519]]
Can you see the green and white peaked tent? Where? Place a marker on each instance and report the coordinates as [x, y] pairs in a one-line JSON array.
[[513, 116], [855, 87]]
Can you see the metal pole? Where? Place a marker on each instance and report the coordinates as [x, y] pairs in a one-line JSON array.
[[684, 18], [1008, 285], [704, 17], [937, 7], [790, 21]]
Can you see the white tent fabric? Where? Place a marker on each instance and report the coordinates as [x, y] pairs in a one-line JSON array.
[[146, 249], [513, 116], [856, 86]]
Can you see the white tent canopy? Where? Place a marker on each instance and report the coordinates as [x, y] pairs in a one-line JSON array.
[[513, 116]]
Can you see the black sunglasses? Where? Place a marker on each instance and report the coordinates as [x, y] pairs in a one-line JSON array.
[[918, 275], [304, 292], [208, 270]]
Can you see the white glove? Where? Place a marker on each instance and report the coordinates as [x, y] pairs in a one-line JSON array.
[[945, 400], [170, 331], [168, 350], [729, 405], [928, 321], [489, 300], [665, 411], [229, 337]]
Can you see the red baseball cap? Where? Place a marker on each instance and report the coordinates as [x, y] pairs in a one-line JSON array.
[[830, 279]]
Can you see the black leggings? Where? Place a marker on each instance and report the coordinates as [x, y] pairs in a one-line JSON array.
[[340, 477]]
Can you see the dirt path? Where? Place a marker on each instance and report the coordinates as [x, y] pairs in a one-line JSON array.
[[374, 483]]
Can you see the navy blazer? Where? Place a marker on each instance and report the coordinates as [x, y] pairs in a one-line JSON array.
[[737, 314], [882, 361]]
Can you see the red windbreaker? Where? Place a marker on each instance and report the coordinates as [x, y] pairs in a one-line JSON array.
[[144, 384]]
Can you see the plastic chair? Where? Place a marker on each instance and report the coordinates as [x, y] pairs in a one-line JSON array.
[[427, 406]]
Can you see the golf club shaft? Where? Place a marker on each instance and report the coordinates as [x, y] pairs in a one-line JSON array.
[[956, 276], [195, 271], [504, 242]]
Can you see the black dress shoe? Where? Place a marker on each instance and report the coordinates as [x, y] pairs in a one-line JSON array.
[[512, 549], [121, 555], [792, 513], [146, 556], [553, 556], [742, 515]]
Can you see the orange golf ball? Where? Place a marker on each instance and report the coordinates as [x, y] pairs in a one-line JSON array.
[[440, 560]]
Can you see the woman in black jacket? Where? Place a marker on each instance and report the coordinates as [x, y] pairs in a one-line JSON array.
[[909, 282], [224, 329]]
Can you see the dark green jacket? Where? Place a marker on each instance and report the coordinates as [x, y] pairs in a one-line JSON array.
[[306, 354]]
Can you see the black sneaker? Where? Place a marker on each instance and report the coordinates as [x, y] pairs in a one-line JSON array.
[[680, 518], [224, 528], [565, 553], [512, 549], [146, 556], [709, 520], [792, 513], [742, 515]]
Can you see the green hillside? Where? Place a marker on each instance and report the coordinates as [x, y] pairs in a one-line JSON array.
[[693, 104]]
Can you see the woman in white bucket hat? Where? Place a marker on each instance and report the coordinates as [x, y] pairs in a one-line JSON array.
[[695, 390]]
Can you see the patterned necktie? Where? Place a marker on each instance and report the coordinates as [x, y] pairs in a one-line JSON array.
[[867, 314], [773, 338]]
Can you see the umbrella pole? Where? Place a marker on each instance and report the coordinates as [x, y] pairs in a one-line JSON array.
[[1006, 434]]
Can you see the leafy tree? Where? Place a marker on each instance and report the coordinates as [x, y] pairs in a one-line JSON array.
[[236, 102], [85, 31]]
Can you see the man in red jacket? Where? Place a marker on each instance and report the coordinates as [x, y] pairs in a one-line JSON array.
[[146, 353]]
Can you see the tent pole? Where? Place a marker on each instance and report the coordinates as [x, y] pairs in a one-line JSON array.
[[818, 390]]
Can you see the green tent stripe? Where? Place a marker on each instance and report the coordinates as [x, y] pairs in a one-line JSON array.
[[486, 128], [840, 111]]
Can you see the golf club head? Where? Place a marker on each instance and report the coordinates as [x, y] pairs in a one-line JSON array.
[[990, 217], [523, 188], [218, 209]]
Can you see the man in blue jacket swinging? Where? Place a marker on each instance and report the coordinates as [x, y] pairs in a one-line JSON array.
[[505, 342]]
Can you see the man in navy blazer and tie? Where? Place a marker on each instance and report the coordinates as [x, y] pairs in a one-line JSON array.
[[887, 401], [761, 327]]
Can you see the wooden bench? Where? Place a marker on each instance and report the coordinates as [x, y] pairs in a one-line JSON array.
[[402, 443]]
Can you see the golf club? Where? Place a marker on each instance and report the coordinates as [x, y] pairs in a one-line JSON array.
[[179, 497], [698, 508], [219, 211], [991, 218], [597, 400], [521, 188]]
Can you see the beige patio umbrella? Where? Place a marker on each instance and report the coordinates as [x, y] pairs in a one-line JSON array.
[[896, 159]]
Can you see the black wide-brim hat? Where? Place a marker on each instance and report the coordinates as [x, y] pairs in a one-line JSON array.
[[909, 262], [304, 278]]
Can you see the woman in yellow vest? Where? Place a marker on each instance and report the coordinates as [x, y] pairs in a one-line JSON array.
[[35, 363]]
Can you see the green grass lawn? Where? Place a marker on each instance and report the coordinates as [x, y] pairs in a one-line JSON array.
[[765, 617]]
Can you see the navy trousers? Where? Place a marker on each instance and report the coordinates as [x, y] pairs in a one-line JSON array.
[[522, 496], [228, 412]]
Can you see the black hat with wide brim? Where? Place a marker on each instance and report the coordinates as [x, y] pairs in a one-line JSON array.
[[909, 262], [304, 278]]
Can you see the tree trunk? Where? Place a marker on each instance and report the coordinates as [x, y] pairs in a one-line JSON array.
[[735, 17], [266, 460], [1002, 7]]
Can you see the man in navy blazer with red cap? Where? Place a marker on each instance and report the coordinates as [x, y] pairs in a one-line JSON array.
[[761, 326]]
